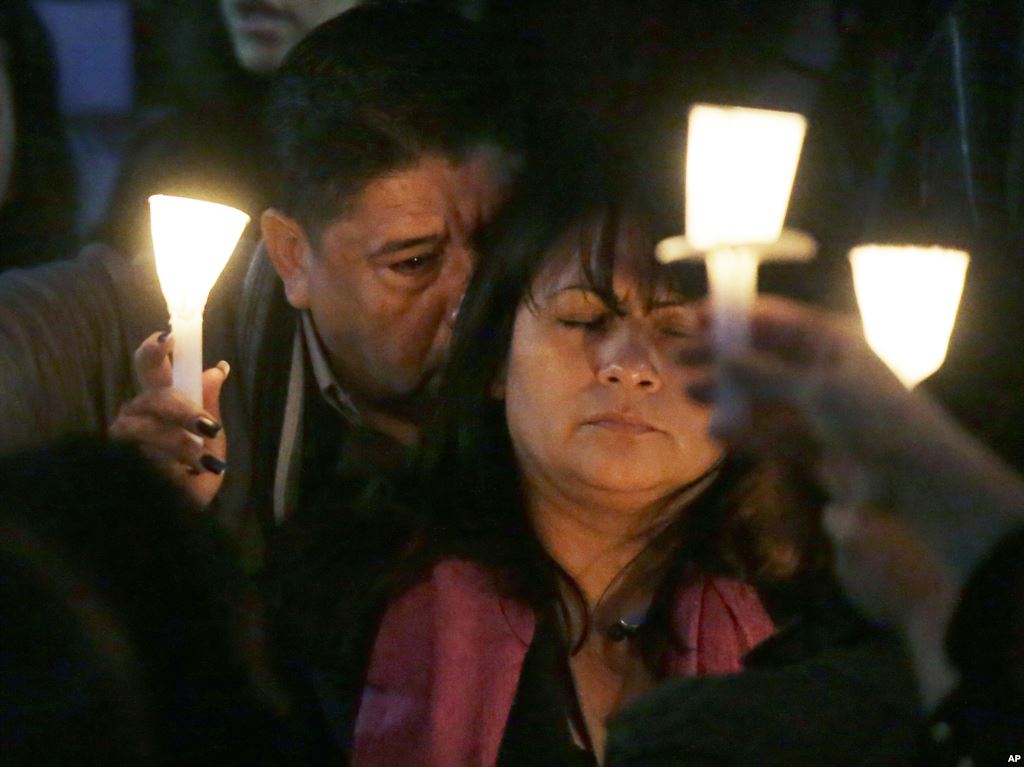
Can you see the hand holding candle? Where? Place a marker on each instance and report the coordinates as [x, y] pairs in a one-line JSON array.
[[192, 240]]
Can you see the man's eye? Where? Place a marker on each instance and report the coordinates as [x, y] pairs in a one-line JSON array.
[[416, 264]]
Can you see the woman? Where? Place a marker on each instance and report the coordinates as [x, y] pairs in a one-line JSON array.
[[37, 198], [581, 536]]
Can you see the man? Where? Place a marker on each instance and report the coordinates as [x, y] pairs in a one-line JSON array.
[[391, 144], [389, 127]]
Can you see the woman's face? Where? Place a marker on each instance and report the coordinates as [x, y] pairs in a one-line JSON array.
[[594, 397], [6, 127]]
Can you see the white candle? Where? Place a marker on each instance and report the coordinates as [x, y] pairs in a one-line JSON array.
[[732, 283], [192, 241], [188, 356]]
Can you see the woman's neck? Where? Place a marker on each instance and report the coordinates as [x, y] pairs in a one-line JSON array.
[[596, 537]]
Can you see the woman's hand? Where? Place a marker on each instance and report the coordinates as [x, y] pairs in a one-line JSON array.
[[186, 441], [813, 382], [814, 388]]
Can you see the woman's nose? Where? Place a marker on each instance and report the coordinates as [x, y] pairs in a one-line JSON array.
[[627, 360]]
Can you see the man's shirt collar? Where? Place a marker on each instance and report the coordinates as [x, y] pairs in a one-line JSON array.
[[328, 385]]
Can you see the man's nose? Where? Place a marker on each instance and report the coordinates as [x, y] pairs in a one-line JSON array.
[[626, 358]]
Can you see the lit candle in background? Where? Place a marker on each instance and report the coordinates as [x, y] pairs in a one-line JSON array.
[[908, 298], [740, 166], [192, 240]]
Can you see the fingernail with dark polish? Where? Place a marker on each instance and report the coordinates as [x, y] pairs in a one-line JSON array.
[[208, 427], [213, 464]]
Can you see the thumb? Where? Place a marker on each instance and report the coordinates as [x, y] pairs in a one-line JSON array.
[[213, 382]]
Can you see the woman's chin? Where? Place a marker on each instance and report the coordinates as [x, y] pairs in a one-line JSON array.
[[619, 478], [631, 468]]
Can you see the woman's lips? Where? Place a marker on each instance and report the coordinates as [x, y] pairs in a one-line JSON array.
[[622, 422]]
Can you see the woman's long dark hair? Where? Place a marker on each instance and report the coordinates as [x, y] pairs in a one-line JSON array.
[[38, 218]]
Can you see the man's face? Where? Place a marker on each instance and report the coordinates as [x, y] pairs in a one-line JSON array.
[[263, 31], [384, 282]]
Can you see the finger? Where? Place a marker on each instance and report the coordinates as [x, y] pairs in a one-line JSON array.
[[172, 408], [182, 472], [781, 432], [801, 333], [165, 444], [183, 457], [213, 382], [766, 378], [153, 361], [758, 376], [793, 331], [216, 446]]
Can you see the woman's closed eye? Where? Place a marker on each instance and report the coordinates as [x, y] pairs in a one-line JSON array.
[[676, 321], [579, 309], [588, 321]]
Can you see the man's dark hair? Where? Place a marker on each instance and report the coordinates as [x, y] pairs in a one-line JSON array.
[[372, 91]]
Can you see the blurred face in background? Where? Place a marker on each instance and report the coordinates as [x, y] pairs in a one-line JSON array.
[[6, 127], [263, 31]]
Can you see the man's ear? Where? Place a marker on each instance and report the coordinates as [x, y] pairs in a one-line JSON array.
[[290, 252]]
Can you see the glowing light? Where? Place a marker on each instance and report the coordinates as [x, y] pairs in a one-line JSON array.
[[193, 240], [740, 166], [908, 298]]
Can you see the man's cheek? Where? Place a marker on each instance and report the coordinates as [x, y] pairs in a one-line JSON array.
[[426, 323]]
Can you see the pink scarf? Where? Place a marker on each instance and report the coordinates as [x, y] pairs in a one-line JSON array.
[[445, 666]]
